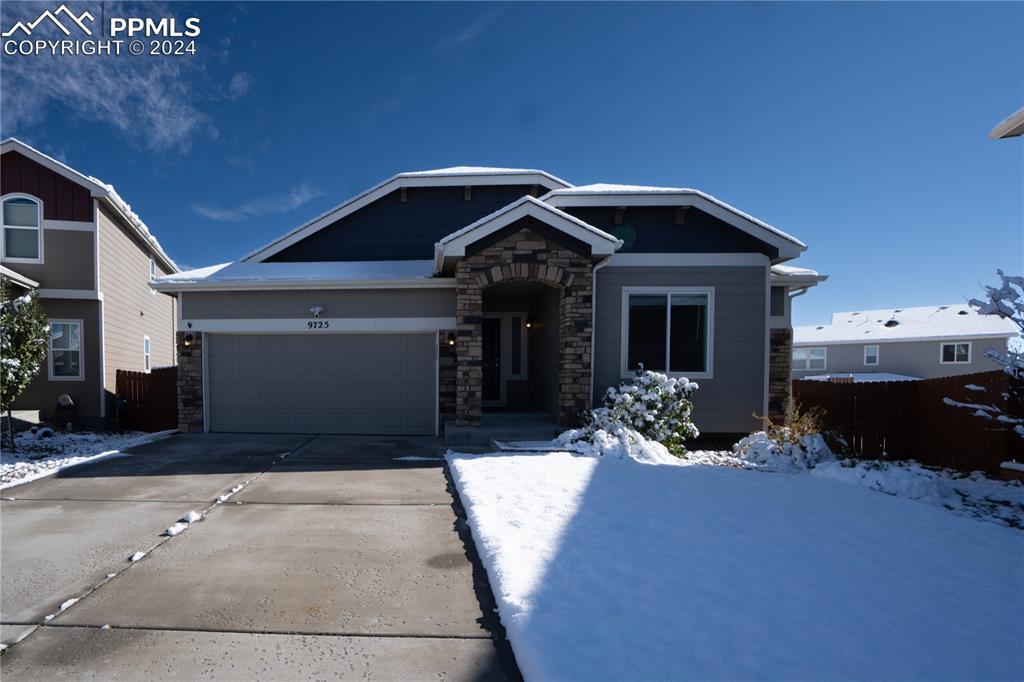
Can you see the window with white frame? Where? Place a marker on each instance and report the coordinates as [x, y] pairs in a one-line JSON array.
[[667, 330], [870, 355], [145, 353], [152, 269], [809, 358], [65, 356], [22, 228], [955, 353]]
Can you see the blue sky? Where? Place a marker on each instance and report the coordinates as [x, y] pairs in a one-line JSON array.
[[859, 128]]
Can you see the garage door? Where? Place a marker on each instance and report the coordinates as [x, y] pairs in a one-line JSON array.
[[322, 383]]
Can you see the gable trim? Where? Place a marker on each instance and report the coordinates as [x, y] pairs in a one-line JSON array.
[[396, 182], [788, 246], [16, 145], [454, 245]]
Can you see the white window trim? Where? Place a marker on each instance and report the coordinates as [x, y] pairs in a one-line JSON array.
[[147, 356], [878, 355], [807, 367], [954, 361], [81, 352], [153, 274], [3, 229], [625, 372]]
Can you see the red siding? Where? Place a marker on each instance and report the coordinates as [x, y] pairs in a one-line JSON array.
[[62, 198]]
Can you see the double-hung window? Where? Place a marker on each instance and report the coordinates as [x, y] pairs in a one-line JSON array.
[[65, 356], [955, 353], [809, 358], [23, 229], [870, 355], [146, 358], [668, 330]]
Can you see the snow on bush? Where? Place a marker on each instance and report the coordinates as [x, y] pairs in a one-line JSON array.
[[783, 454], [647, 419]]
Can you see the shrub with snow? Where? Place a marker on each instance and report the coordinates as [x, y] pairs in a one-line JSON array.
[[783, 451], [644, 419]]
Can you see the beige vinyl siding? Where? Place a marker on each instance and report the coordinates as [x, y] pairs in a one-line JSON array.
[[131, 309], [42, 393], [67, 261], [726, 402], [336, 303]]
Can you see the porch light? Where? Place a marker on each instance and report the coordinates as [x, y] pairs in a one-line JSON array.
[[187, 341], [529, 323], [451, 339]]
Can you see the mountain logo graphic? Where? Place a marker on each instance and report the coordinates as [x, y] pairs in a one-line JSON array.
[[63, 10]]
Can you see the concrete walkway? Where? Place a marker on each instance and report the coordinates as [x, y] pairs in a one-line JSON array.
[[334, 561]]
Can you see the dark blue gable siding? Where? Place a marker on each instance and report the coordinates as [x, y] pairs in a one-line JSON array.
[[389, 229], [653, 229]]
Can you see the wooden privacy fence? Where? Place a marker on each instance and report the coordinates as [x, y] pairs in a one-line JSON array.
[[148, 401], [910, 420]]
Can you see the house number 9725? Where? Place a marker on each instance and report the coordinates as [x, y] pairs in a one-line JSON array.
[[318, 324]]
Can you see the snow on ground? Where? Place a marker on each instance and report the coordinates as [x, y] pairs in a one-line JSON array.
[[36, 456], [606, 568]]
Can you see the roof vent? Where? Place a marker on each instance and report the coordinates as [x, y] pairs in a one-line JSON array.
[[898, 310], [892, 323], [963, 312], [943, 307], [819, 327]]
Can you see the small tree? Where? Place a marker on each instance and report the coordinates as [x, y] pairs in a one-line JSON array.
[[24, 331], [1005, 301]]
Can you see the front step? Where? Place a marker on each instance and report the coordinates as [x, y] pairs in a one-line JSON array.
[[485, 435]]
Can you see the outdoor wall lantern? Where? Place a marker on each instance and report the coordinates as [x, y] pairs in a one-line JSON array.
[[451, 339], [186, 344], [529, 323]]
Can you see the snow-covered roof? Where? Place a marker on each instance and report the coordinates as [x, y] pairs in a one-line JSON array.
[[18, 278], [321, 275], [460, 171], [905, 324], [862, 377], [98, 189], [603, 189], [1011, 126], [793, 271]]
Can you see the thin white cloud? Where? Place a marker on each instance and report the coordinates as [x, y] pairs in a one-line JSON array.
[[151, 100], [473, 30], [296, 197], [240, 85]]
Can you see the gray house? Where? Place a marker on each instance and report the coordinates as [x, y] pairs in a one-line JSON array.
[[71, 238], [455, 294], [916, 343]]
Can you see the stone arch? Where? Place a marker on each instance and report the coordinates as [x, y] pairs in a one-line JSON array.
[[525, 256]]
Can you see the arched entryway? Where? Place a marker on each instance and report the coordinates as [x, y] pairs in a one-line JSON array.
[[547, 277]]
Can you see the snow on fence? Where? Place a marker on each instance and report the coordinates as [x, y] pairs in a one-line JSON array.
[[910, 420], [148, 400]]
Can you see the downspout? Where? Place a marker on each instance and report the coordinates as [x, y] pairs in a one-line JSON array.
[[593, 318]]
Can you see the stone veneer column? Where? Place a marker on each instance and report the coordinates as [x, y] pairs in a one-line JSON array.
[[190, 384], [526, 257], [780, 361], [446, 381]]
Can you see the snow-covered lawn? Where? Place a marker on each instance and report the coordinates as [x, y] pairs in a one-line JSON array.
[[36, 456], [606, 568]]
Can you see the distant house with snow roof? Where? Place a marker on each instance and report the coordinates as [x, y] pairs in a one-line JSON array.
[[90, 258], [925, 342]]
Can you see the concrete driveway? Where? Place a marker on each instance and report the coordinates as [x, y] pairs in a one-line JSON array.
[[332, 559]]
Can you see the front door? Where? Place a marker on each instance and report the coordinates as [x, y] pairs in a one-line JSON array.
[[492, 359]]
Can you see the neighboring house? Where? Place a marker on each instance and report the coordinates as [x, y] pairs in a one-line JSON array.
[[927, 342], [1012, 126], [437, 294], [90, 258]]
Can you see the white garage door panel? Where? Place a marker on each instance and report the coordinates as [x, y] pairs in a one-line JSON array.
[[323, 383]]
